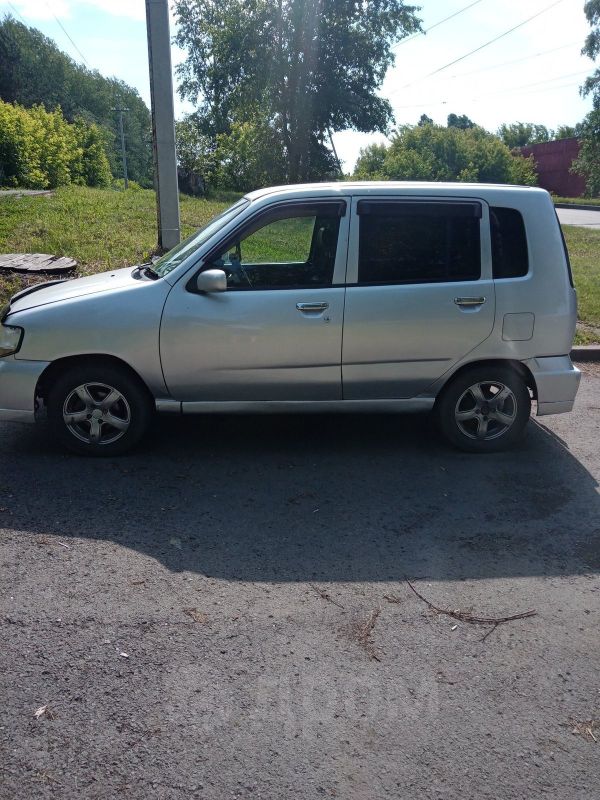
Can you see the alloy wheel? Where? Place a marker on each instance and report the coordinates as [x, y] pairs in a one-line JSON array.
[[486, 410], [96, 413]]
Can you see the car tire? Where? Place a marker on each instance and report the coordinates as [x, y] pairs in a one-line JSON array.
[[98, 409], [485, 409]]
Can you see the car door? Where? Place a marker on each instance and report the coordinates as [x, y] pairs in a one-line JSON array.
[[276, 332], [420, 293]]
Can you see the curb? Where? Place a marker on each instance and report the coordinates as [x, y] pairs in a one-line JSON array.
[[588, 352], [577, 205]]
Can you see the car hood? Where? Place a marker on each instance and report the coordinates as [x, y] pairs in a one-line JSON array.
[[55, 291]]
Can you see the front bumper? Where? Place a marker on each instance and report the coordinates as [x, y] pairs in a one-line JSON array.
[[557, 381], [18, 379]]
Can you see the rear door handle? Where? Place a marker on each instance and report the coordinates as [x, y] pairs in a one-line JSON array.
[[312, 306], [469, 301]]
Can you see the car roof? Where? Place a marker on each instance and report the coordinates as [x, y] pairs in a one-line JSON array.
[[297, 191]]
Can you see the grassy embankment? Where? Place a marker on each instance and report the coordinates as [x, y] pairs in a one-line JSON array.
[[584, 250], [577, 201], [106, 229]]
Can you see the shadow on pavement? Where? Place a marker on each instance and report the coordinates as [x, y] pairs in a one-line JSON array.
[[334, 498]]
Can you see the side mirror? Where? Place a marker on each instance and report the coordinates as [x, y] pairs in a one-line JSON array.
[[212, 280]]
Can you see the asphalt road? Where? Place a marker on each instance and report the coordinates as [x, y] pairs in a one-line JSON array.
[[225, 613], [579, 217]]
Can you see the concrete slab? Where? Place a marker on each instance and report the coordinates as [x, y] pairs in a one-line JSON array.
[[583, 218]]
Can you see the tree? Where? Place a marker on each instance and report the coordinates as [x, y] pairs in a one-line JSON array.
[[462, 122], [33, 71], [521, 134], [568, 131], [371, 164], [436, 153], [248, 157], [587, 163], [591, 46], [310, 66], [195, 149], [424, 120]]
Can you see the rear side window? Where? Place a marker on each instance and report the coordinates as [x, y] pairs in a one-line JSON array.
[[509, 243], [418, 242]]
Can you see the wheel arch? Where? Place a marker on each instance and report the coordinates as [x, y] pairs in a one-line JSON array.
[[55, 368], [523, 371]]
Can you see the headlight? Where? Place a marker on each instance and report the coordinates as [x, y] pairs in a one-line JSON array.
[[10, 339]]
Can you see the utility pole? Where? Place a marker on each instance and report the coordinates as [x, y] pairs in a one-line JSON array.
[[339, 163], [123, 151], [163, 123]]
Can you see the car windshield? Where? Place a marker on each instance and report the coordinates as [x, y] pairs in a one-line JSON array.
[[174, 257]]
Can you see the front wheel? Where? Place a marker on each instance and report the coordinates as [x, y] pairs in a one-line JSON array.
[[484, 409], [98, 410]]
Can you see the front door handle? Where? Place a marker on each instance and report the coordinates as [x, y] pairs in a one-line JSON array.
[[312, 306], [469, 301]]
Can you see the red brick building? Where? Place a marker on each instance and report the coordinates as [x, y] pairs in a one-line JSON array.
[[553, 161]]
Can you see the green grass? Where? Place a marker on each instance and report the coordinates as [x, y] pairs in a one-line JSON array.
[[583, 336], [286, 240], [584, 251], [100, 228], [577, 201]]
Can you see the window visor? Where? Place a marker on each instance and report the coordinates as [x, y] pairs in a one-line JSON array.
[[427, 208]]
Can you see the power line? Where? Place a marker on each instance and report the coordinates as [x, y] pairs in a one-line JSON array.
[[539, 83], [16, 10], [431, 27], [496, 38], [62, 27], [518, 91], [514, 90], [487, 44], [484, 97], [515, 61]]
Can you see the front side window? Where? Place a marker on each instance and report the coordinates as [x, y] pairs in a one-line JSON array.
[[296, 250], [418, 242]]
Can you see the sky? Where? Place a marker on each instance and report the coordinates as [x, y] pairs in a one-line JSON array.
[[532, 74]]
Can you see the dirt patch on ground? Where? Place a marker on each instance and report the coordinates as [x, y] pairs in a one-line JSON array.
[[589, 368]]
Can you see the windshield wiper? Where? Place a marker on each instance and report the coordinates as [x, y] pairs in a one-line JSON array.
[[147, 270], [150, 272]]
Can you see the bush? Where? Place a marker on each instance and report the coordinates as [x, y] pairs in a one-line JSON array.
[[249, 156], [33, 71], [119, 183], [434, 153], [39, 149]]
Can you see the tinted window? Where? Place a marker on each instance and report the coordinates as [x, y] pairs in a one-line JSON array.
[[419, 242], [509, 243]]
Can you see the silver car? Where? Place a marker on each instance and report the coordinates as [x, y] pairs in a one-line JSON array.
[[454, 298]]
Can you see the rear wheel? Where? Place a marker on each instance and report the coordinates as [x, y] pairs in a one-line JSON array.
[[484, 409], [98, 410]]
